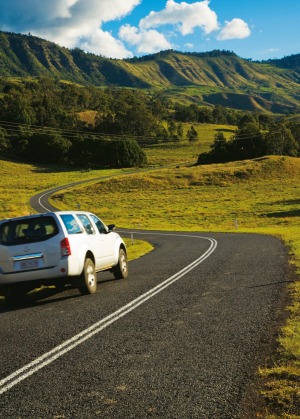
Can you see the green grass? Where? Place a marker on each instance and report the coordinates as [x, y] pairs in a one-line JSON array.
[[182, 152], [257, 196], [20, 181]]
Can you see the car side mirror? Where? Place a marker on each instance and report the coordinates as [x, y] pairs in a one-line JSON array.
[[111, 227]]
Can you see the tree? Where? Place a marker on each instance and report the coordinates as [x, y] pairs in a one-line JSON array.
[[159, 108], [3, 139], [186, 113], [47, 147], [246, 119], [295, 130], [219, 141], [82, 150], [94, 152], [129, 113], [218, 115], [264, 121], [192, 134], [16, 107], [248, 143], [173, 130], [205, 115], [119, 153], [220, 148], [180, 130], [280, 141]]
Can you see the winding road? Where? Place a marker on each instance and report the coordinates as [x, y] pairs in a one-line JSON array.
[[182, 337]]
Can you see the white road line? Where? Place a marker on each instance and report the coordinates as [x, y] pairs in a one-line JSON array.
[[40, 201], [47, 193], [47, 358]]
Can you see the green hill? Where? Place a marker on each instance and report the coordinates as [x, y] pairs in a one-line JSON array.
[[216, 77]]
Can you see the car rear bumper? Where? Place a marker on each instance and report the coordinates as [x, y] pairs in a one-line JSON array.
[[61, 270]]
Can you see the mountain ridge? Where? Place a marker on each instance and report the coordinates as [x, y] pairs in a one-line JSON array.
[[215, 77]]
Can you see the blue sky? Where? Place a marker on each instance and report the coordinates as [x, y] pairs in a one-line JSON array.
[[257, 29]]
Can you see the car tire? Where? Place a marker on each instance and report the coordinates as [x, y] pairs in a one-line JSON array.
[[88, 278], [120, 271]]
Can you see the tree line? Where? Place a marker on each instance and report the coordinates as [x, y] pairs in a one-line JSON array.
[[251, 142], [43, 121]]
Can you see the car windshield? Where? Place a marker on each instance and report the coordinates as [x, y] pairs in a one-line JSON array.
[[27, 230]]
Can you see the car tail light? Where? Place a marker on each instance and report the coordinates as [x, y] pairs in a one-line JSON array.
[[65, 247]]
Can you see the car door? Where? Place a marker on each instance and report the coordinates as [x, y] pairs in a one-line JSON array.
[[98, 239], [107, 241]]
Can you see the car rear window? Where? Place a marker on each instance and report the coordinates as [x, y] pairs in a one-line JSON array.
[[27, 230]]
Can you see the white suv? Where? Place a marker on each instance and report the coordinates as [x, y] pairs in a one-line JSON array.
[[58, 247]]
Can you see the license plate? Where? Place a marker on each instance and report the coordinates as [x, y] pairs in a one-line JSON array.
[[22, 265]]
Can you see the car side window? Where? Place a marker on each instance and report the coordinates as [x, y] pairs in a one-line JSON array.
[[86, 223], [70, 224], [100, 226]]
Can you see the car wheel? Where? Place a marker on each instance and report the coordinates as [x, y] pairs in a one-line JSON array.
[[121, 269], [88, 278]]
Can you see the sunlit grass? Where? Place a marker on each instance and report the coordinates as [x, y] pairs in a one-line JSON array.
[[183, 151], [19, 181], [214, 198]]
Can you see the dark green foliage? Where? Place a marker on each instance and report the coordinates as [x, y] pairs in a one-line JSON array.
[[129, 112], [292, 61], [249, 143], [16, 106], [205, 114], [82, 151], [97, 153], [280, 141], [246, 119], [219, 148], [192, 134], [295, 130], [166, 53], [4, 143], [47, 147], [122, 153]]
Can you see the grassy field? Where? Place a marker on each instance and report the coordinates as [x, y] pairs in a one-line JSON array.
[[19, 181], [259, 196], [171, 153]]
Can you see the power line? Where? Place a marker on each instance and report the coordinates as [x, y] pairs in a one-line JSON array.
[[14, 127]]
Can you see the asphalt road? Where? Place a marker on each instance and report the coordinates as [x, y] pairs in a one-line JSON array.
[[182, 337]]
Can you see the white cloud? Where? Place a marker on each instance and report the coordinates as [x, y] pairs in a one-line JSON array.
[[235, 29], [71, 23], [186, 16], [37, 13], [79, 23], [145, 41], [103, 43]]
